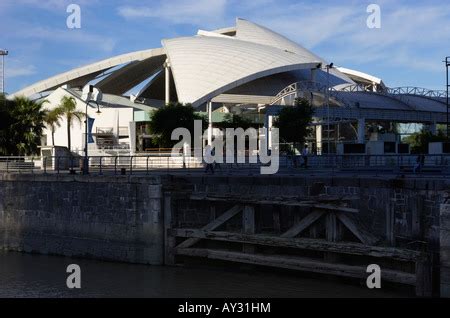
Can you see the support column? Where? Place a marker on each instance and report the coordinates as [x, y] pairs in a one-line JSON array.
[[167, 77], [361, 130], [210, 126], [319, 139], [248, 225]]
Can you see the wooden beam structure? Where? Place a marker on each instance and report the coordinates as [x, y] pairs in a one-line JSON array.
[[300, 264], [349, 248]]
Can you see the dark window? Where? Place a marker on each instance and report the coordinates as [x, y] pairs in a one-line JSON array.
[[354, 148]]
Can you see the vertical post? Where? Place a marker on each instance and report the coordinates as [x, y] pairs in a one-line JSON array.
[[333, 230], [276, 219], [328, 109], [3, 53], [390, 222], [169, 240], [447, 64], [248, 225], [3, 73], [167, 78], [319, 139], [210, 127]]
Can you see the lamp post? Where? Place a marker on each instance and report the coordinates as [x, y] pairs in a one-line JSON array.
[[92, 96], [3, 53], [329, 66], [447, 65]]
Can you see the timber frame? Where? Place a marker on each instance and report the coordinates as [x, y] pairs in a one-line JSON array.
[[268, 249]]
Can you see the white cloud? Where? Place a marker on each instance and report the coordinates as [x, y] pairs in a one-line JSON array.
[[78, 36], [198, 12], [14, 68]]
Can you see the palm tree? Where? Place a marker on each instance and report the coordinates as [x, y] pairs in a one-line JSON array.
[[27, 125], [68, 109], [52, 120]]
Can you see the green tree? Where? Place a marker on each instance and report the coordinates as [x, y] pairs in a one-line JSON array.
[[27, 124], [68, 109], [52, 120], [419, 141], [166, 119], [6, 121], [235, 121], [293, 122]]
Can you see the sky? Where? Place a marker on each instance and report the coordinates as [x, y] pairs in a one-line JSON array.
[[407, 50]]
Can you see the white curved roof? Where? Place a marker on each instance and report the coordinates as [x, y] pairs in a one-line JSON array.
[[360, 75], [252, 32], [86, 73], [204, 67]]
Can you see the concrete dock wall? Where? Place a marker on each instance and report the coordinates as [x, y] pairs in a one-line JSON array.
[[116, 219]]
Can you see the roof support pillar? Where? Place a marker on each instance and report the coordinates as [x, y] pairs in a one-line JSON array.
[[167, 77], [319, 139], [210, 126]]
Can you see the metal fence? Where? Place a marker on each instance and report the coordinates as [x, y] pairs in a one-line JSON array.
[[117, 165]]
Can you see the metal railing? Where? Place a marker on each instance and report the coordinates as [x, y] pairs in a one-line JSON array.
[[140, 164]]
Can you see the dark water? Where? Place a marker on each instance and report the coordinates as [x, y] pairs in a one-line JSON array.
[[25, 275]]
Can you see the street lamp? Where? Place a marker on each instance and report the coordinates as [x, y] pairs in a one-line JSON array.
[[3, 53], [328, 67], [92, 95], [447, 65]]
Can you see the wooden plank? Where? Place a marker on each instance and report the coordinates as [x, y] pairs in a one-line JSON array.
[[424, 286], [310, 204], [248, 226], [304, 243], [364, 236], [331, 227], [214, 225], [390, 220], [276, 219], [303, 224], [333, 231], [298, 263]]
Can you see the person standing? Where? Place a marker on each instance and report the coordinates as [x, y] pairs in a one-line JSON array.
[[305, 154], [209, 159]]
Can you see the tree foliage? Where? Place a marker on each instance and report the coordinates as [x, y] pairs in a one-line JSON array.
[[21, 126], [293, 122], [52, 120], [166, 119], [68, 109], [419, 141], [235, 121]]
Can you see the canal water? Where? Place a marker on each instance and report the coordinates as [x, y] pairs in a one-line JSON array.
[[26, 275]]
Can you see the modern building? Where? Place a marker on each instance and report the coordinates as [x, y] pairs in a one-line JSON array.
[[246, 66]]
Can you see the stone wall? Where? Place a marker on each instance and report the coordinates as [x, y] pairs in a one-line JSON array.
[[109, 218]]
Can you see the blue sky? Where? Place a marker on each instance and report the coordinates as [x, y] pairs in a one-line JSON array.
[[407, 51]]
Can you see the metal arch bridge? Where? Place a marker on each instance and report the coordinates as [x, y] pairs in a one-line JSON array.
[[350, 110], [396, 92]]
